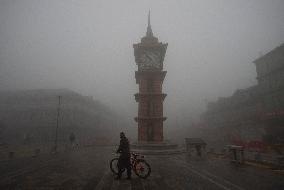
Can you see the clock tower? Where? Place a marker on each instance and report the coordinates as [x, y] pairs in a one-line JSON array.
[[149, 57]]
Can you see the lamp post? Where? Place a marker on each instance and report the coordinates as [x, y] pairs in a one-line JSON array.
[[57, 121]]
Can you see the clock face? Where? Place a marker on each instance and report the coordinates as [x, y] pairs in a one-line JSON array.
[[150, 60]]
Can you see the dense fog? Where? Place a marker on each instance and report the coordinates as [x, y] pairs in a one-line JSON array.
[[86, 46]]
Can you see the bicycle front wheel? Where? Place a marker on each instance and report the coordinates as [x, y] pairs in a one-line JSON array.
[[142, 169]]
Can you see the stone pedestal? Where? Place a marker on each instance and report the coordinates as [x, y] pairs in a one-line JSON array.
[[153, 148]]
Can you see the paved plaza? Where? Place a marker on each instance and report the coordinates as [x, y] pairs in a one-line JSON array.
[[88, 168]]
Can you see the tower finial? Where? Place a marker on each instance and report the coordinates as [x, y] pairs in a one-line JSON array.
[[149, 18], [149, 29]]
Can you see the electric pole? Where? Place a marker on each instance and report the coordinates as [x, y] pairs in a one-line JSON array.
[[57, 121]]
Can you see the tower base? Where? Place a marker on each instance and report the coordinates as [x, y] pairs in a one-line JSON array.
[[156, 148]]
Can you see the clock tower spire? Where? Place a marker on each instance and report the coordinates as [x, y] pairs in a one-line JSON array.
[[149, 29]]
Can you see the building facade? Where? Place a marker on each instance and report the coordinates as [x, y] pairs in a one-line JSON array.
[[234, 119], [270, 77], [252, 114], [33, 113]]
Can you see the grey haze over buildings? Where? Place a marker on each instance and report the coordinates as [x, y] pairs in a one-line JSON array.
[[86, 46]]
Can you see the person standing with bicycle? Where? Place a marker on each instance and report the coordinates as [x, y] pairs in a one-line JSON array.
[[124, 158]]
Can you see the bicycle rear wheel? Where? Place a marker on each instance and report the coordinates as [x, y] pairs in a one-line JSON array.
[[142, 169], [113, 164]]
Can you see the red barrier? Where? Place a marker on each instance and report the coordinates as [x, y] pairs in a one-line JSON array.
[[255, 145]]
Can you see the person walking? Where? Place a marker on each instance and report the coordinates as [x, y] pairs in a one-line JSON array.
[[124, 158]]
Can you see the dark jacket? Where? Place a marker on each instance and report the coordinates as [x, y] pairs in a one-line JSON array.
[[123, 148]]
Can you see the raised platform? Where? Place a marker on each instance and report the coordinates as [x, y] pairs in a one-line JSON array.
[[154, 148]]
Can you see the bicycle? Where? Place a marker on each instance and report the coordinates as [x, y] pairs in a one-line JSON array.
[[138, 164]]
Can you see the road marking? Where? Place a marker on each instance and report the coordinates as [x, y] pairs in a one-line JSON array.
[[148, 184], [114, 185], [209, 179], [224, 180], [103, 180], [190, 167], [25, 170], [124, 185]]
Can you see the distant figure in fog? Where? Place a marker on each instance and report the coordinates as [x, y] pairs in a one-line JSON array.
[[124, 158], [72, 139], [198, 150]]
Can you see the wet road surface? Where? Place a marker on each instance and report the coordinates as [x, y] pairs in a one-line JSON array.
[[88, 168]]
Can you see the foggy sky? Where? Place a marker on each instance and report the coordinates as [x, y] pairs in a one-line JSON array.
[[86, 46]]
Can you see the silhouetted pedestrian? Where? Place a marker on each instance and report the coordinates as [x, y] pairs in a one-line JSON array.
[[124, 158]]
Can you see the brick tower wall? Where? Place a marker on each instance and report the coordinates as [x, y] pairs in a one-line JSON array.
[[150, 107]]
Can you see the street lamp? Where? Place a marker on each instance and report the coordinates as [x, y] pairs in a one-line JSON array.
[[57, 121]]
